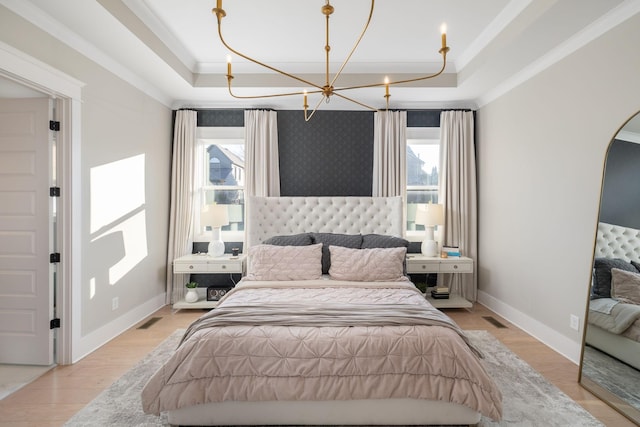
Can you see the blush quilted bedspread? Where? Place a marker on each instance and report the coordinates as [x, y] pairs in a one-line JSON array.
[[323, 340]]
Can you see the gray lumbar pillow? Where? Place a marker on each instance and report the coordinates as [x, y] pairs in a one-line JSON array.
[[303, 239]]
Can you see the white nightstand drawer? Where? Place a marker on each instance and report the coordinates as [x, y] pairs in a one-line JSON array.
[[215, 267], [458, 267], [420, 264], [191, 267], [203, 264], [423, 267]]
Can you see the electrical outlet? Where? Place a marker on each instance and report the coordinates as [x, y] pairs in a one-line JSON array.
[[114, 303], [574, 322]]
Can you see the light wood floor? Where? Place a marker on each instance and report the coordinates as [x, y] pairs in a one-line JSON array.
[[53, 398]]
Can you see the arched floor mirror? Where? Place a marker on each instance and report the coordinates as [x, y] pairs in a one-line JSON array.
[[610, 360]]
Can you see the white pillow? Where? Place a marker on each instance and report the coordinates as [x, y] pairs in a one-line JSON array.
[[625, 286], [367, 265], [272, 262]]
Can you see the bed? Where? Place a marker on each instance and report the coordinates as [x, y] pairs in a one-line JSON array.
[[325, 329], [614, 307]]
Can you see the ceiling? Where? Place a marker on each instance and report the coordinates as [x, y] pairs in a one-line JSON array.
[[170, 49]]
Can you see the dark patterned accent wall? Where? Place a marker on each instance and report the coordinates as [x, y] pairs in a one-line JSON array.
[[423, 118], [220, 118], [330, 155]]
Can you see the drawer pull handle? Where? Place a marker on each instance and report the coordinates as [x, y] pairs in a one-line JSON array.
[[224, 266], [191, 267], [424, 267], [455, 266]]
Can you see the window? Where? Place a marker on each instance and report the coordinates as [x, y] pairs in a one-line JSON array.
[[423, 169], [221, 154]]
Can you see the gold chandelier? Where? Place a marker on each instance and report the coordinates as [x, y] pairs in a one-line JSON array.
[[328, 89]]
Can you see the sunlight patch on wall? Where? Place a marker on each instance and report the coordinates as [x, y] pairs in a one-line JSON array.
[[118, 215], [117, 189], [133, 231]]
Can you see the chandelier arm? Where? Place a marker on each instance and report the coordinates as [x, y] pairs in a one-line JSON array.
[[364, 30], [444, 64], [255, 61], [355, 102], [275, 95]]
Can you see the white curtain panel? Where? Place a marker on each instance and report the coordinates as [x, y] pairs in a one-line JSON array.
[[262, 170], [390, 154], [458, 194], [183, 176]]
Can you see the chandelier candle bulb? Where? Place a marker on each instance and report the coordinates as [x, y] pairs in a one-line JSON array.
[[443, 30], [386, 86], [228, 58]]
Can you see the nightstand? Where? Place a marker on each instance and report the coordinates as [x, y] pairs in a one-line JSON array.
[[420, 264], [205, 264]]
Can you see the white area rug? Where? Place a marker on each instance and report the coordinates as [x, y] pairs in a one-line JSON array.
[[528, 399]]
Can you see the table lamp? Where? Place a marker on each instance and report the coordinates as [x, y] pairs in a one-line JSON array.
[[215, 216], [429, 215]]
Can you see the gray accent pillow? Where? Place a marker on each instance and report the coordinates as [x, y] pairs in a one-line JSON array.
[[636, 265], [370, 241], [353, 241], [303, 239], [602, 274]]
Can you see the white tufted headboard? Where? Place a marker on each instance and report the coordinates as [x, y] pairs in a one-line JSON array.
[[615, 241], [274, 216]]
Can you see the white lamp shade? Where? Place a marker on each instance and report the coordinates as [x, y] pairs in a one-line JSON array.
[[214, 216], [430, 214]]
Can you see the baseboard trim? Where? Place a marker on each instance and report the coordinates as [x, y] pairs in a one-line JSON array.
[[87, 344], [558, 342]]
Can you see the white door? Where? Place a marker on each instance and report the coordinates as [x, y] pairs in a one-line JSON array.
[[26, 291]]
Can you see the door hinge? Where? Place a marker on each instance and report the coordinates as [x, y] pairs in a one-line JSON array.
[[54, 323], [54, 191], [54, 257], [54, 125]]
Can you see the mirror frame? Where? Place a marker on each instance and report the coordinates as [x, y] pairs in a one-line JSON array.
[[596, 389]]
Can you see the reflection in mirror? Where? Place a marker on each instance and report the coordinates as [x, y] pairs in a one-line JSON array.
[[610, 365]]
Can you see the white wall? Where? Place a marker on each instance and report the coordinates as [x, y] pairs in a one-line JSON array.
[[541, 151], [124, 175]]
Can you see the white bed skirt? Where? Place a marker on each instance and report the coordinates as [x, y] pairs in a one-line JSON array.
[[341, 412], [617, 346]]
